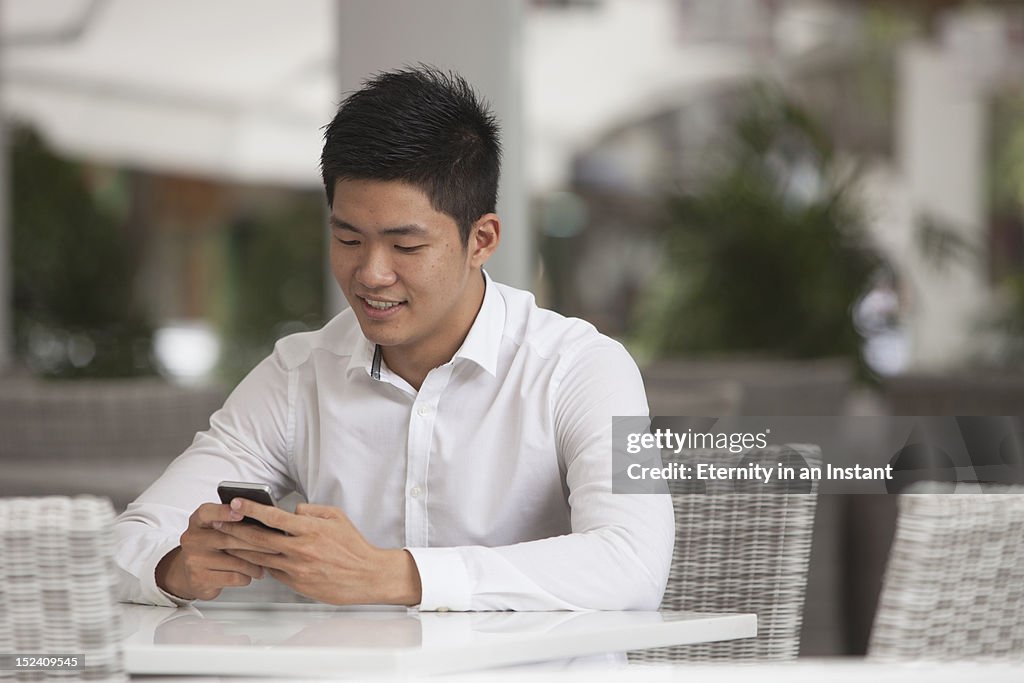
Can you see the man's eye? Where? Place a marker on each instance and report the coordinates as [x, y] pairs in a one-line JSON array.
[[409, 250], [348, 243]]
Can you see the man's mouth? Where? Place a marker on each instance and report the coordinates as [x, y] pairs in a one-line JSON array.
[[379, 309], [382, 305]]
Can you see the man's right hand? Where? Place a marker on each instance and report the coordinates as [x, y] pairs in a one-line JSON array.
[[199, 568]]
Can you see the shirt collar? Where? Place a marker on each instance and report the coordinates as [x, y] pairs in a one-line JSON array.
[[481, 345], [362, 354], [483, 342]]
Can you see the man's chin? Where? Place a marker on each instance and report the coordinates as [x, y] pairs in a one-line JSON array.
[[375, 335]]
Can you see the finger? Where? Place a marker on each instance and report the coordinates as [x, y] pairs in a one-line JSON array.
[[255, 538], [226, 563], [226, 579], [322, 511], [270, 562], [208, 513], [242, 566], [226, 541], [215, 539], [269, 515]]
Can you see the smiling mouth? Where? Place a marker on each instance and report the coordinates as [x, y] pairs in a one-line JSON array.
[[382, 305], [380, 309]]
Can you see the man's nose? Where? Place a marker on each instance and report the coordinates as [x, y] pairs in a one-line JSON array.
[[375, 270]]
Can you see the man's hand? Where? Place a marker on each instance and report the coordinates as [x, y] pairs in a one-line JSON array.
[[324, 556], [201, 567]]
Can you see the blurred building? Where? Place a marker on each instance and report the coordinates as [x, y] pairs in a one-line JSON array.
[[161, 164], [909, 93], [622, 102]]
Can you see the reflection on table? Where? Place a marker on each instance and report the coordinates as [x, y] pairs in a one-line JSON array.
[[310, 639]]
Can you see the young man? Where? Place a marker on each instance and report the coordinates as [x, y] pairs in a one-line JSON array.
[[453, 438]]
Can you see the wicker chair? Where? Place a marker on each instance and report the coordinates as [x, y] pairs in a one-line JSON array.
[[742, 551], [110, 438], [954, 585], [57, 578]]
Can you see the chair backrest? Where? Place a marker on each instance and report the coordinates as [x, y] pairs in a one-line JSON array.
[[109, 437], [765, 387], [954, 584], [57, 584], [743, 552], [667, 396]]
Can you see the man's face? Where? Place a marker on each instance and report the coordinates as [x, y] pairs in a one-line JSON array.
[[413, 286]]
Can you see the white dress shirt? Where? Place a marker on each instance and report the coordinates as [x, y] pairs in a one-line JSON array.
[[495, 475]]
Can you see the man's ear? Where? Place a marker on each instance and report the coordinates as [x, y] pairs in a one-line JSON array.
[[484, 237]]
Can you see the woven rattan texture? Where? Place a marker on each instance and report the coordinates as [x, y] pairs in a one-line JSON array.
[[954, 585], [742, 552], [57, 586], [109, 438], [110, 421]]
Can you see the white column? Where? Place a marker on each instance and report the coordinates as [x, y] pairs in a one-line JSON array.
[[481, 40], [941, 131], [6, 276]]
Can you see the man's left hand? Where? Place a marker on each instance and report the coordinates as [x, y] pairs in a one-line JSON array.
[[324, 557]]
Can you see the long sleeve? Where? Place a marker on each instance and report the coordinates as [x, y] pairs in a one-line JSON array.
[[509, 442], [619, 551], [248, 440]]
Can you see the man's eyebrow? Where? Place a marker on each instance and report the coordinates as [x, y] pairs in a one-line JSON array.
[[410, 229], [342, 225]]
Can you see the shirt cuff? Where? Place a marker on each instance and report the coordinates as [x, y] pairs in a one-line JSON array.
[[155, 593], [444, 579]]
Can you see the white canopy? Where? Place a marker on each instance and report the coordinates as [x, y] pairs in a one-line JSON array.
[[233, 89]]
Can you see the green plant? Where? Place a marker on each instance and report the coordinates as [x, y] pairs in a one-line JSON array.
[[1003, 258], [272, 266], [761, 257], [74, 307]]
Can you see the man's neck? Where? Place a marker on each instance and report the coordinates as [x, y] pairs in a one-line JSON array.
[[414, 364], [414, 370]]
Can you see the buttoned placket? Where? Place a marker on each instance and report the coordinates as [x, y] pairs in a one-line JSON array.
[[422, 423]]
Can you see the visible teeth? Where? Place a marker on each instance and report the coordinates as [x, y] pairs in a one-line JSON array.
[[381, 305]]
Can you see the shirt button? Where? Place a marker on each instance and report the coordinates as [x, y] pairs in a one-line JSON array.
[[415, 492], [424, 410]]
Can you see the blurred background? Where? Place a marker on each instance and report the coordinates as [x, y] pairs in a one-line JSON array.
[[781, 207]]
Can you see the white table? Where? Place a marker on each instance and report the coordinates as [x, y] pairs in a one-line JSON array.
[[297, 640], [832, 670]]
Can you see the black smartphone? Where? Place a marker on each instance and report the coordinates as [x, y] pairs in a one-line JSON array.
[[259, 493]]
